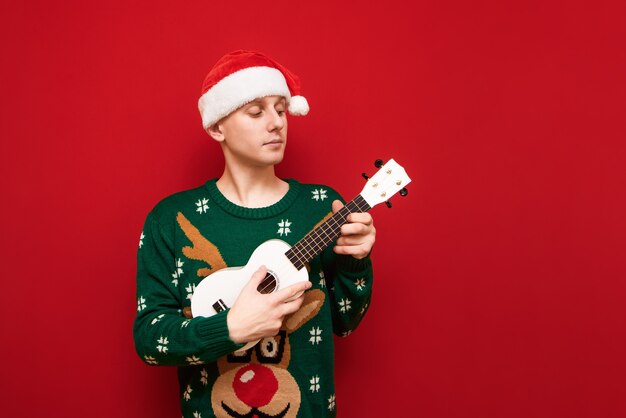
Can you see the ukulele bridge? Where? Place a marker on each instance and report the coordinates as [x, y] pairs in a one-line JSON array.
[[219, 306]]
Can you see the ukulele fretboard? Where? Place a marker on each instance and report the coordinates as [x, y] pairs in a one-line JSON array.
[[321, 237]]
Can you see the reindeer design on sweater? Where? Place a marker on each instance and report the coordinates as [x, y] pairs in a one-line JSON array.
[[254, 382]]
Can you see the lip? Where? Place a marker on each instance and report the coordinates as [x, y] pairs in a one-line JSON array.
[[254, 412], [274, 142]]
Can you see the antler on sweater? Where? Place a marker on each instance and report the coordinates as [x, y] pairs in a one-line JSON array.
[[202, 249]]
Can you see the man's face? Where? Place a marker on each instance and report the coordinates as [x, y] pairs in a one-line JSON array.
[[256, 133]]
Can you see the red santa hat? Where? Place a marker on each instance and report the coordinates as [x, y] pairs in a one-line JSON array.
[[242, 76]]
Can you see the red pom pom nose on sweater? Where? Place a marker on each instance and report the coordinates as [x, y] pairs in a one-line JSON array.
[[255, 385]]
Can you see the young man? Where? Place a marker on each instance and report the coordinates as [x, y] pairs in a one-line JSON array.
[[192, 234]]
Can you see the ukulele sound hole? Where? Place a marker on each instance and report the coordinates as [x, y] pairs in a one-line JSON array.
[[269, 283]]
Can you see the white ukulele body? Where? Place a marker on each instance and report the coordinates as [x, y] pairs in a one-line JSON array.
[[225, 285]]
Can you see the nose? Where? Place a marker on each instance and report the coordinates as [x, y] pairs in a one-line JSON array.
[[276, 121], [255, 385]]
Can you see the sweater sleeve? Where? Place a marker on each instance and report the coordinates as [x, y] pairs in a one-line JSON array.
[[349, 281], [163, 336]]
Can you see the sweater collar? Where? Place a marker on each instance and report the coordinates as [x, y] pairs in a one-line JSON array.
[[253, 213]]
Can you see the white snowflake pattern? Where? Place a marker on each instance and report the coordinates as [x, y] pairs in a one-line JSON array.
[[193, 360], [316, 335], [185, 323], [344, 305], [187, 394], [319, 194], [283, 227], [331, 402], [141, 237], [363, 309], [202, 205], [360, 284], [150, 360], [322, 279], [204, 377], [190, 289], [178, 272], [157, 319], [315, 384], [162, 345], [141, 304], [197, 414]]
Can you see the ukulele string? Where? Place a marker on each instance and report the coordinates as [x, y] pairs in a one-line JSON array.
[[285, 263], [279, 269], [308, 255]]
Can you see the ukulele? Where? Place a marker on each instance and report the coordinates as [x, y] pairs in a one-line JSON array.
[[286, 265]]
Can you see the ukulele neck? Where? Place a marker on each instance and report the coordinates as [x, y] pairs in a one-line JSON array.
[[321, 237]]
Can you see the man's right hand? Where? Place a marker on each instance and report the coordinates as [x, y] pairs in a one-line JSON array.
[[255, 315]]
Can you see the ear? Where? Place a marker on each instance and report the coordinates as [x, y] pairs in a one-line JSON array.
[[215, 131], [313, 301]]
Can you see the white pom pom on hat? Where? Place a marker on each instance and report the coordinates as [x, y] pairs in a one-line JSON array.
[[298, 106], [240, 77]]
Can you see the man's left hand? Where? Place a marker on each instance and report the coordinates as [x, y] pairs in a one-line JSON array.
[[357, 235]]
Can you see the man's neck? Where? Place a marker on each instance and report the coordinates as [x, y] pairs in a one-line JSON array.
[[252, 188]]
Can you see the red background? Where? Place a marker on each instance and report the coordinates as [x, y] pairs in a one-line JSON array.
[[500, 278]]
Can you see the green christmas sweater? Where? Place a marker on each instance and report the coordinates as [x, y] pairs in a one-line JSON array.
[[191, 234]]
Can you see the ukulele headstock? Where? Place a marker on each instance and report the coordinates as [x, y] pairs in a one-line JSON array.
[[389, 180]]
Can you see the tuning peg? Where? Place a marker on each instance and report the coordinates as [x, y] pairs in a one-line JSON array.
[[365, 176], [388, 203], [378, 163], [403, 192]]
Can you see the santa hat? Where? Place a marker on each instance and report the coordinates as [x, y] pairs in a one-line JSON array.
[[242, 76]]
